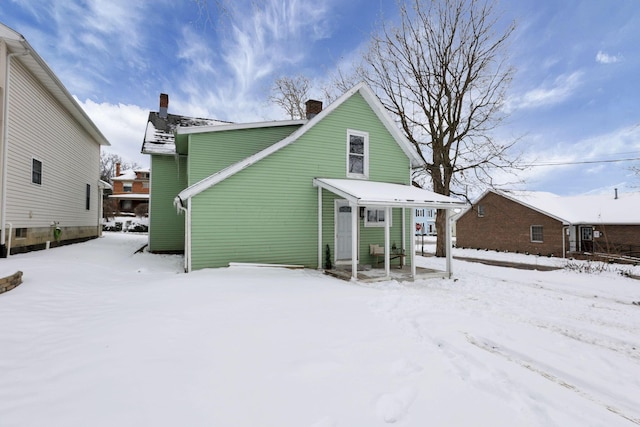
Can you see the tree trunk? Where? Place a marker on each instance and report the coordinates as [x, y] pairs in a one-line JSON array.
[[441, 229]]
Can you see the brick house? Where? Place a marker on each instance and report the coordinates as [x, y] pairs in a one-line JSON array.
[[548, 224], [130, 189]]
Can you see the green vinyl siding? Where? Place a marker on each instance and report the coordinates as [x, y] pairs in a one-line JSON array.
[[166, 225], [214, 151], [267, 213]]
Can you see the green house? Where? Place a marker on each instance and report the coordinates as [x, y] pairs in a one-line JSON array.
[[288, 192]]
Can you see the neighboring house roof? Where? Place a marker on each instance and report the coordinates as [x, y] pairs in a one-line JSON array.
[[159, 137], [364, 90], [130, 196], [585, 209], [372, 193], [129, 175], [41, 71]]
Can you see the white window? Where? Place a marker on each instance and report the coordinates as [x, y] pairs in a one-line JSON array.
[[36, 171], [480, 211], [536, 233], [357, 154], [374, 217], [127, 187]]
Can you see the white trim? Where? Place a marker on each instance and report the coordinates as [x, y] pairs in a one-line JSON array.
[[365, 154], [412, 248], [337, 203], [368, 224], [531, 233], [369, 97]]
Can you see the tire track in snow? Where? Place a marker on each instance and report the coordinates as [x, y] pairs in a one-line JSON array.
[[530, 366]]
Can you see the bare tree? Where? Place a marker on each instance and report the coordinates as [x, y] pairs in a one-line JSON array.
[[108, 165], [290, 93], [442, 72]]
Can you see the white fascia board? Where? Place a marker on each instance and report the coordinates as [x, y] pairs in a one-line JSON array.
[[514, 199], [236, 126], [336, 191], [384, 116]]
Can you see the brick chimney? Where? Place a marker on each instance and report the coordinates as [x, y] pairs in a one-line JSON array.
[[164, 105], [117, 169], [313, 108]]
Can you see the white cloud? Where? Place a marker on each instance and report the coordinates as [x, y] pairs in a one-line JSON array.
[[122, 125], [604, 58], [546, 94]]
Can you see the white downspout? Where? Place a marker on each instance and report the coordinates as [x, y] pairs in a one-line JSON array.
[[319, 228], [447, 234], [354, 240], [5, 146]]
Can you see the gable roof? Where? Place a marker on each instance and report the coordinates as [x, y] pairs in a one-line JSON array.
[[368, 95], [584, 209], [16, 43], [159, 137]]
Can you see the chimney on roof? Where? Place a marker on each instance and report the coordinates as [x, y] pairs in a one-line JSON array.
[[164, 105], [117, 169], [313, 108], [616, 194]]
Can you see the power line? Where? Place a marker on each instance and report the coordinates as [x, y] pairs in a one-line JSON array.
[[586, 162]]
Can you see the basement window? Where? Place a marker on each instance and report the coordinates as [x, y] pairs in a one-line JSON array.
[[21, 233], [536, 234]]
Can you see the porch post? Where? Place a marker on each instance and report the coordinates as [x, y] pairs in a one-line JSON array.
[[319, 227], [354, 241], [404, 233], [412, 247], [447, 234], [387, 256]]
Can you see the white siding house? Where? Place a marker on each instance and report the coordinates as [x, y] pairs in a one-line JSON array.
[[50, 191]]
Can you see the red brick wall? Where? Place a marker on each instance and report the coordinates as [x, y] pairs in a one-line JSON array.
[[136, 188], [506, 226], [617, 239]]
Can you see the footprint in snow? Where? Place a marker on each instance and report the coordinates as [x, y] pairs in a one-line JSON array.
[[392, 407], [403, 367]]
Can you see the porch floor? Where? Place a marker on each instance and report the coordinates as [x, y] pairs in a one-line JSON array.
[[376, 274]]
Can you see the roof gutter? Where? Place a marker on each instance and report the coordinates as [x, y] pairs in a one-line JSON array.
[[5, 148]]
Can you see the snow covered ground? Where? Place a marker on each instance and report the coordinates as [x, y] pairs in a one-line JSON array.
[[98, 336]]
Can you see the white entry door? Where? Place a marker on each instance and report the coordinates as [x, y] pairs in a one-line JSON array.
[[343, 230]]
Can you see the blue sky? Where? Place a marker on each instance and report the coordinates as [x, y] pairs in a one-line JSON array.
[[575, 96]]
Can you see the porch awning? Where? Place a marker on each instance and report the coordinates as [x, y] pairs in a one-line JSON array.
[[373, 193]]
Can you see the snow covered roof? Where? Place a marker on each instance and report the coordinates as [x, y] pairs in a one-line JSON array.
[[584, 209], [129, 196], [159, 137], [128, 175], [361, 88], [372, 193]]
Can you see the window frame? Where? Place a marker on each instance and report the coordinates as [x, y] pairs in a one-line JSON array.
[[129, 185], [365, 154], [33, 171], [21, 233], [480, 209], [531, 234], [377, 223]]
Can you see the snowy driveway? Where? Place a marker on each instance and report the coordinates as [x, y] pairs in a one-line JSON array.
[[97, 336]]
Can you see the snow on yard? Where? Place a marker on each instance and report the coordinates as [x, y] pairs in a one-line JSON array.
[[99, 336]]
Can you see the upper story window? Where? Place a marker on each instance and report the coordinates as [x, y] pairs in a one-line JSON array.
[[480, 211], [357, 154], [36, 171], [127, 187], [87, 197]]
